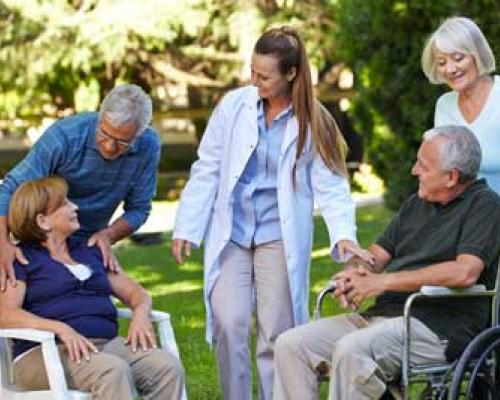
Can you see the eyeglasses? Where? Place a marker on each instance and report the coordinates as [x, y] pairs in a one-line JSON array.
[[124, 145]]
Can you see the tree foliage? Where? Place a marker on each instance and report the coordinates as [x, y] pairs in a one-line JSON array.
[[60, 56], [382, 40], [54, 53]]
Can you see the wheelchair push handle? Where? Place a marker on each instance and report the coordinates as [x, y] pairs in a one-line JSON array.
[[329, 288]]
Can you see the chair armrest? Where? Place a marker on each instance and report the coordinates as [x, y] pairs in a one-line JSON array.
[[156, 316], [442, 291], [50, 352], [33, 335], [125, 313]]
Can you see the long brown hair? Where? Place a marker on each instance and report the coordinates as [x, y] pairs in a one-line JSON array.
[[286, 45], [329, 142]]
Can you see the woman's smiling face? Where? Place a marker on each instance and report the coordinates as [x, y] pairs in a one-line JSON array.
[[459, 70], [267, 77]]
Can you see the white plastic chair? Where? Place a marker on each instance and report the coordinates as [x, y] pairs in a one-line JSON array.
[[55, 373]]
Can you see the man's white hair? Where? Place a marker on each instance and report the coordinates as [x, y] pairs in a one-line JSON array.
[[459, 149], [127, 104]]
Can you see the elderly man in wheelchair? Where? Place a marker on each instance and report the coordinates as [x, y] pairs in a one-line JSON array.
[[448, 234], [65, 289]]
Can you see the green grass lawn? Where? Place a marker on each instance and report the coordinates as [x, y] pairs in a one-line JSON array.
[[178, 290]]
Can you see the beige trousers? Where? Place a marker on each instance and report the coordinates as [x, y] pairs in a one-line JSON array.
[[361, 355], [261, 270], [111, 374]]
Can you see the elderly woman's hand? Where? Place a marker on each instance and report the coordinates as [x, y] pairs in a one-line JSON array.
[[141, 333], [79, 347]]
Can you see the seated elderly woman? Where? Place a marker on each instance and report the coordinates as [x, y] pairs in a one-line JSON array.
[[65, 289]]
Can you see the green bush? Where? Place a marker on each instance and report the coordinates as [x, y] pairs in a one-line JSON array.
[[9, 158], [382, 41]]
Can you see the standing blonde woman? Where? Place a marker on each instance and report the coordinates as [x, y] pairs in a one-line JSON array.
[[458, 54], [269, 151]]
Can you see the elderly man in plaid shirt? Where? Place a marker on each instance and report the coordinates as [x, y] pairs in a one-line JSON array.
[[106, 158]]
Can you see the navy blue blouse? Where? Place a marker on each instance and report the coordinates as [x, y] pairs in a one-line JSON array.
[[53, 292]]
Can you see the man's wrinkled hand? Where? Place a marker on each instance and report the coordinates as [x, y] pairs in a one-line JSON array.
[[340, 293], [102, 241], [8, 254], [344, 286], [361, 285]]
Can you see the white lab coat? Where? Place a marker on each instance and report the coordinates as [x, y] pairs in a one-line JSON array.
[[206, 207]]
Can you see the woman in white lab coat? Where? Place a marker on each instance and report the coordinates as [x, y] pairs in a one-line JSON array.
[[269, 151]]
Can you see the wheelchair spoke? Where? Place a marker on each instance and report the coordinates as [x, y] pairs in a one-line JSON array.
[[481, 361], [476, 368]]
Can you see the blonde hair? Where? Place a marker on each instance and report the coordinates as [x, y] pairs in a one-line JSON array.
[[457, 34], [286, 45], [40, 196]]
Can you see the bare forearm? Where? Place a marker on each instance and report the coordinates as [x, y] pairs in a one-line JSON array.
[[140, 302], [448, 274], [130, 293], [19, 318], [118, 230]]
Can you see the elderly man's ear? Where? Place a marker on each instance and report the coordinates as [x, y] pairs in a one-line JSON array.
[[454, 178]]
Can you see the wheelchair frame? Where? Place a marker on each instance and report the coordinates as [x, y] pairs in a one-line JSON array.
[[441, 377]]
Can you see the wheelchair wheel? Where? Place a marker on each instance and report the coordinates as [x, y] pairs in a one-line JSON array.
[[475, 375]]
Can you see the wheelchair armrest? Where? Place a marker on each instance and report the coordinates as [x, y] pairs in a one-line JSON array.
[[442, 291]]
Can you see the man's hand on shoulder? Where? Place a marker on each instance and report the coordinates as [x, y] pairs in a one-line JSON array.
[[8, 254], [103, 242]]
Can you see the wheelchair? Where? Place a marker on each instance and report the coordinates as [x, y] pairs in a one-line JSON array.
[[474, 376]]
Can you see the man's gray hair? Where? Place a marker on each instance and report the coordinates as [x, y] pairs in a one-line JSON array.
[[127, 104], [459, 149]]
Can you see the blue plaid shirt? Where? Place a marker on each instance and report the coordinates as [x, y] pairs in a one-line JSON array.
[[68, 148]]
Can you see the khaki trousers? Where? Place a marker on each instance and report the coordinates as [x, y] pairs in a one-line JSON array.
[[111, 374], [362, 355], [262, 269]]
